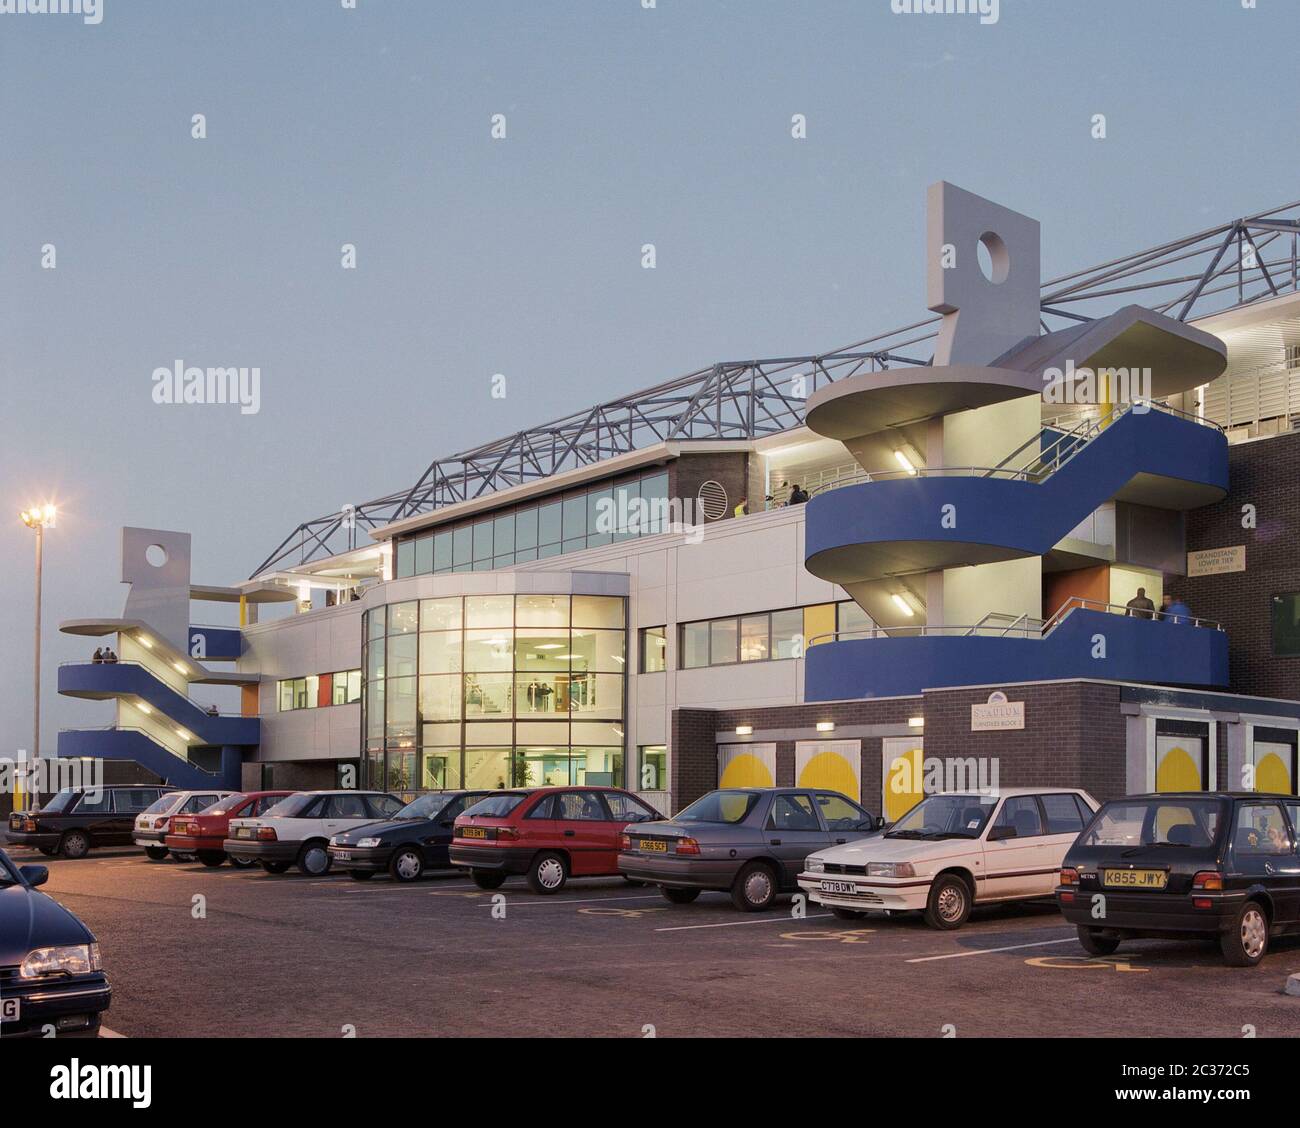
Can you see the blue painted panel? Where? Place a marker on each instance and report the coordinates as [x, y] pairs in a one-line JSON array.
[[132, 744], [215, 643]]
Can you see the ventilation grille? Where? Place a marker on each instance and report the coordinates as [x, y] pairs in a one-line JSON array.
[[712, 500]]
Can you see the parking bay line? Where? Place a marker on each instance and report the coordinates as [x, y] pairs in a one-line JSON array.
[[576, 901], [990, 951], [734, 923]]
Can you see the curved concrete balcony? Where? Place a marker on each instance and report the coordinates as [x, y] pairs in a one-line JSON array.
[[897, 523], [1084, 642], [135, 744]]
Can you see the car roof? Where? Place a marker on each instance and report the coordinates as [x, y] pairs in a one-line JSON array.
[[1010, 792], [1212, 795]]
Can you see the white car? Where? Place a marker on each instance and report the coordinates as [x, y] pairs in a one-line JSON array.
[[297, 830], [951, 851], [154, 822]]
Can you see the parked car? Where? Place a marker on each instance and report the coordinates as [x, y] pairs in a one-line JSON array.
[[1190, 866], [548, 834], [297, 830], [51, 973], [203, 834], [153, 823], [76, 819], [416, 839], [749, 842], [953, 851]]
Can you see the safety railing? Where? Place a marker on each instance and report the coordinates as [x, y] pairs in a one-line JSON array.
[[148, 736], [212, 710]]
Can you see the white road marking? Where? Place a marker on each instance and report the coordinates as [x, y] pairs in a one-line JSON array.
[[988, 951], [105, 1032], [734, 923], [578, 901]]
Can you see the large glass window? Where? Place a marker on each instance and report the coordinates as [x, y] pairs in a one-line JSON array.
[[316, 690], [654, 650], [1286, 625], [695, 645], [652, 772]]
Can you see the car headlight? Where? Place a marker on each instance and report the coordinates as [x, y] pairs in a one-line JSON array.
[[334, 841], [71, 959], [367, 843], [890, 869], [814, 865]]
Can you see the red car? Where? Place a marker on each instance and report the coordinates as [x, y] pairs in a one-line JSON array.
[[203, 834], [549, 834]]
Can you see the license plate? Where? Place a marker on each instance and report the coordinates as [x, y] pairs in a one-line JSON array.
[[473, 832], [343, 855], [244, 832], [838, 887], [1135, 879], [9, 1010], [649, 846]]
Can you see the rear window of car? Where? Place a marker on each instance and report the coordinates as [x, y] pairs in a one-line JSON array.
[[159, 806], [226, 806], [497, 806], [1156, 822], [728, 807], [1063, 816], [289, 807]]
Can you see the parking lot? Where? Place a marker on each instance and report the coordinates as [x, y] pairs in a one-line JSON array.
[[195, 952]]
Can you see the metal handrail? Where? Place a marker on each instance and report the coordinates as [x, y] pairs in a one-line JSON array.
[[148, 736], [1079, 601], [150, 672]]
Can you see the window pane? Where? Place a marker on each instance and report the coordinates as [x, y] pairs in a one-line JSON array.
[[653, 772], [722, 641], [402, 651], [442, 552], [597, 695], [375, 623], [354, 686], [487, 768], [405, 558], [654, 491], [401, 694], [462, 545], [540, 648], [482, 541], [542, 611], [542, 693], [375, 660], [440, 698], [1020, 812], [1286, 624], [440, 614], [489, 610], [503, 535], [600, 517], [654, 650], [852, 618], [695, 645], [442, 769], [1062, 814], [375, 711], [627, 502], [526, 529], [753, 638], [548, 524], [424, 556], [575, 518], [403, 618], [488, 695], [548, 550], [598, 650], [286, 696], [488, 649], [440, 652], [597, 611], [787, 634]]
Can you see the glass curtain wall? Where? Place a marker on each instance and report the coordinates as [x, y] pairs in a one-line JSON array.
[[495, 691]]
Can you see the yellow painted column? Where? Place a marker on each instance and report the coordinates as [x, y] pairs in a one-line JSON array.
[[243, 610]]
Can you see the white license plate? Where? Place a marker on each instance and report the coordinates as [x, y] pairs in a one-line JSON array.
[[9, 1010], [343, 855], [243, 832], [838, 887]]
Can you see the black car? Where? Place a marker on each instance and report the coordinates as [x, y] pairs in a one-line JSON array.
[[77, 818], [416, 839], [50, 970], [1199, 865]]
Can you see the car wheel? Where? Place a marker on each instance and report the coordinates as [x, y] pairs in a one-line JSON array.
[[548, 873], [360, 875], [314, 860], [212, 858], [679, 896], [1246, 940], [407, 865], [242, 863], [949, 903], [841, 913], [754, 889], [487, 879], [155, 853], [275, 867], [1095, 943], [75, 844]]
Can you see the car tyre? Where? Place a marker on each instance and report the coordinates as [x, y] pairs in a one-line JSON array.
[[1245, 942], [314, 859], [948, 906], [406, 864], [155, 853], [839, 912], [75, 844], [1096, 943], [679, 896], [360, 875], [487, 879], [242, 863], [548, 873], [275, 867], [754, 889], [211, 858]]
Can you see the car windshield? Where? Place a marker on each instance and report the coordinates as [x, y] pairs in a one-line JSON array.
[[290, 806], [166, 803], [60, 801], [425, 807], [728, 807], [497, 806], [945, 816], [1138, 823]]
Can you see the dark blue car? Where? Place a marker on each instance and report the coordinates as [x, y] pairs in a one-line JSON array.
[[50, 969]]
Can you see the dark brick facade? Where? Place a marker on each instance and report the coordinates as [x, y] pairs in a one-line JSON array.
[[1265, 474], [729, 469]]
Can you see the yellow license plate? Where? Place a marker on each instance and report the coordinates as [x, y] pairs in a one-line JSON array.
[[651, 847], [1135, 879], [473, 832]]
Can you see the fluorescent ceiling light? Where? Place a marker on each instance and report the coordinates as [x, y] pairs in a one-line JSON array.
[[904, 462], [902, 605]]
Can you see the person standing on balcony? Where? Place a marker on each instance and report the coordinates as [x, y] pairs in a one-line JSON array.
[[1140, 607], [98, 656], [798, 495], [742, 510], [1175, 610]]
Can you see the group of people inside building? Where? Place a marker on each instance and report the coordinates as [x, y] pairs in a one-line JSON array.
[[1171, 608]]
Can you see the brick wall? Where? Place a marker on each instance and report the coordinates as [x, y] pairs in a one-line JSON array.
[[1264, 474], [729, 470]]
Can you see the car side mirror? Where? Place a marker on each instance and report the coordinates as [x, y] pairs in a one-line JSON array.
[[998, 833], [880, 823], [35, 875]]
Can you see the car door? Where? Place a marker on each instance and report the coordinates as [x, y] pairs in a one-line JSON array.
[[792, 830], [1263, 853], [1293, 862], [584, 827], [1015, 850], [342, 812], [96, 816], [435, 839], [1062, 824]]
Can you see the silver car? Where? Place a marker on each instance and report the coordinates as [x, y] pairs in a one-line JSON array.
[[750, 842]]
